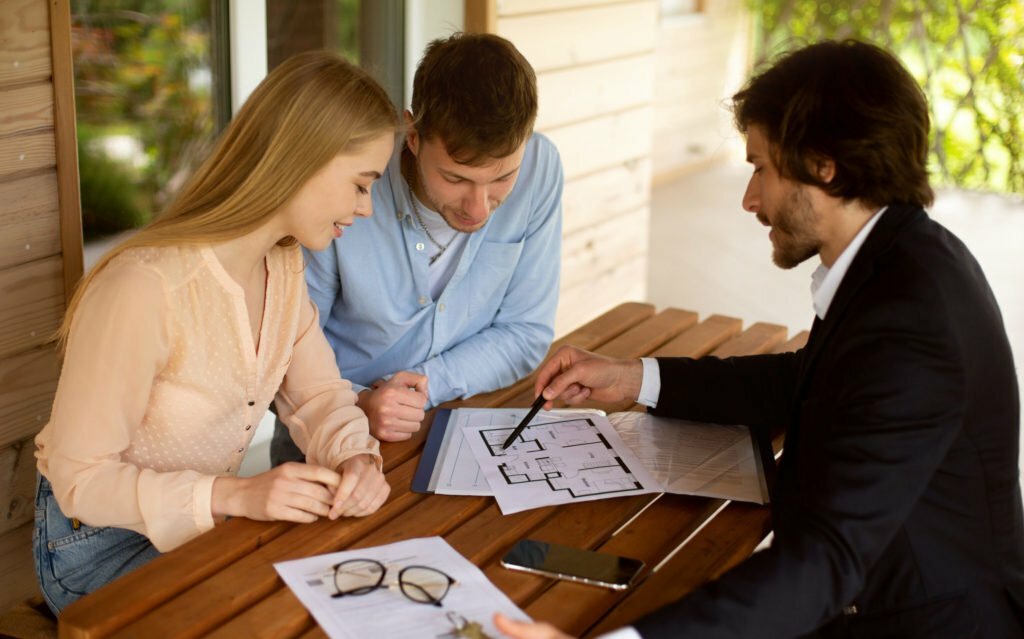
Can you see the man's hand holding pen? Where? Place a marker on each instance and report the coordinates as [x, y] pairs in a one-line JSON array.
[[574, 375]]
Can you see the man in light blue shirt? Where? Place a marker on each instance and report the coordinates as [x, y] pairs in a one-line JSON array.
[[450, 288]]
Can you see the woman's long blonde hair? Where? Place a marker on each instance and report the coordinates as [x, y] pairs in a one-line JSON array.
[[309, 109]]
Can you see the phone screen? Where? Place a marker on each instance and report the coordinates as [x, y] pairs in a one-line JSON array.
[[573, 564]]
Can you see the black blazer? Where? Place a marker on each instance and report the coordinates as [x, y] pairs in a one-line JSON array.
[[897, 507]]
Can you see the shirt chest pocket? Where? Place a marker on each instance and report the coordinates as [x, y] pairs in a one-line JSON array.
[[487, 280]]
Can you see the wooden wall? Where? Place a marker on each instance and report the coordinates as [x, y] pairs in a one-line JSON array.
[[595, 70], [700, 61], [40, 253]]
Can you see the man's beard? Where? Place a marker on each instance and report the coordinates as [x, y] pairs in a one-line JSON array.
[[795, 240]]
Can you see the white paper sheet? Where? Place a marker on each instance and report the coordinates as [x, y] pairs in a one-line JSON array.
[[387, 612], [458, 472], [558, 459], [694, 458]]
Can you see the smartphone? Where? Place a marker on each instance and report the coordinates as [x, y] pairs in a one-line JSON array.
[[572, 564]]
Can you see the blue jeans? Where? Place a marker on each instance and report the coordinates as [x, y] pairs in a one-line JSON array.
[[73, 559]]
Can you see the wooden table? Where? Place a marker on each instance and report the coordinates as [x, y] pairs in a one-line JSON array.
[[223, 583]]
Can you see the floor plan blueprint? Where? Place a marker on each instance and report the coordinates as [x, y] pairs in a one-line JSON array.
[[569, 455], [557, 461]]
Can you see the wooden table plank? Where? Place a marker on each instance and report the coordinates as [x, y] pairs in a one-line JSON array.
[[757, 339], [794, 343], [261, 621]]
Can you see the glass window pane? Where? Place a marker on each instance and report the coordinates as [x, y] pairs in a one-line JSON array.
[[294, 26], [145, 104]]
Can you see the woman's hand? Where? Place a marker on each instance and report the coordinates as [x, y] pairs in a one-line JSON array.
[[362, 490], [291, 492], [527, 629]]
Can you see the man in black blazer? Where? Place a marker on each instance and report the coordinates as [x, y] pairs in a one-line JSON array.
[[897, 508]]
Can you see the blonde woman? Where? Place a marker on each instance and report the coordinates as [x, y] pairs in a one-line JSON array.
[[179, 338]]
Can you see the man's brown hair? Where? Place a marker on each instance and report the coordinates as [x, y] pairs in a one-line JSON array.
[[477, 94], [853, 103]]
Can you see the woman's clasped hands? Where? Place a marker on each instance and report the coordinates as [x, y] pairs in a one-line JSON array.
[[303, 492]]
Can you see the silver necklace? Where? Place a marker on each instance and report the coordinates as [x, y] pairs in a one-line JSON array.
[[416, 211]]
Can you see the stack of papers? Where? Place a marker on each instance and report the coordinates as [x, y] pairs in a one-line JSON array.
[[564, 457], [386, 612]]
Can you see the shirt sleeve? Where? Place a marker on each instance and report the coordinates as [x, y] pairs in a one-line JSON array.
[[118, 344], [650, 387], [323, 277], [517, 340], [317, 405]]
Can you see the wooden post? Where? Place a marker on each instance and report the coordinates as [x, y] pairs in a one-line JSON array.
[[481, 16], [65, 134]]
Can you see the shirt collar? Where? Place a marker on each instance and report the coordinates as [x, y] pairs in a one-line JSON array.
[[825, 281]]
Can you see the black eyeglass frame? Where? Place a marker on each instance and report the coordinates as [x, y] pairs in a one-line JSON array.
[[424, 598]]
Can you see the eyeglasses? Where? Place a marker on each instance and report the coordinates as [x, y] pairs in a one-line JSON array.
[[421, 584]]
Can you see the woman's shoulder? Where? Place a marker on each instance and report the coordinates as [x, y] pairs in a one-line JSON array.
[[171, 265]]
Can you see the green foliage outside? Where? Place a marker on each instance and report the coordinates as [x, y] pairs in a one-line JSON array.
[[141, 72], [347, 29], [967, 54], [110, 197], [143, 85]]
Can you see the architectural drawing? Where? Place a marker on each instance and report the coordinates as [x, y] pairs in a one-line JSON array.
[[571, 457]]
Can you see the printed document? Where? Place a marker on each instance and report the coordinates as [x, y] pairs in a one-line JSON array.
[[457, 471], [557, 459], [471, 602]]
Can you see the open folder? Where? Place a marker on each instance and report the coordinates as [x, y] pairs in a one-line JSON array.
[[684, 457]]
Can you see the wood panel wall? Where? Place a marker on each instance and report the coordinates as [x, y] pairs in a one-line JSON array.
[[700, 61], [595, 73], [40, 253]]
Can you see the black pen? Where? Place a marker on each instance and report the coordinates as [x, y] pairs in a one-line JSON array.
[[537, 403]]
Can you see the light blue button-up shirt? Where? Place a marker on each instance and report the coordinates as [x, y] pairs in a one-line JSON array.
[[494, 321]]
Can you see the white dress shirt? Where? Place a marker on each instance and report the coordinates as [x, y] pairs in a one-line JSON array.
[[825, 281]]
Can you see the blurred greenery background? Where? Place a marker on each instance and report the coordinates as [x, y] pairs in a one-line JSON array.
[[145, 95], [143, 100], [967, 54]]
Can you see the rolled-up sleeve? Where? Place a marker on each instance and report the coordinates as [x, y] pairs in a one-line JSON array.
[[317, 405]]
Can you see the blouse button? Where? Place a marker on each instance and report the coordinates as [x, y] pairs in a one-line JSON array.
[[252, 403], [420, 246]]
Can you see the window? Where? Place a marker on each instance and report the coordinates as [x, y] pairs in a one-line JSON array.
[[147, 103]]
